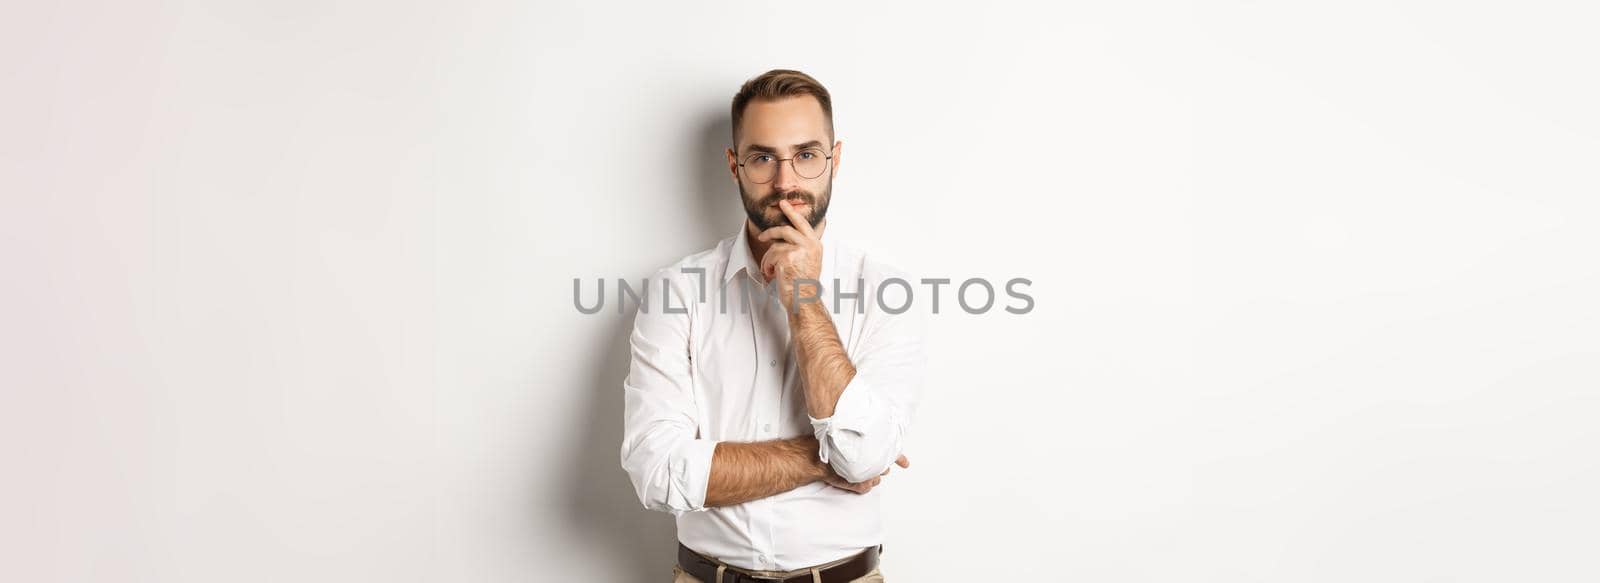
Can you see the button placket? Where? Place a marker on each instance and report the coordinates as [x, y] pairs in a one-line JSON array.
[[771, 342]]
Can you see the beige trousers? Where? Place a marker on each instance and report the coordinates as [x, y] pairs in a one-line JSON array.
[[678, 576]]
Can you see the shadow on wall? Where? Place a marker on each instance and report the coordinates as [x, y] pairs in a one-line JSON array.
[[604, 513]]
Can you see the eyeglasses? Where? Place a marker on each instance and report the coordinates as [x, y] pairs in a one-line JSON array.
[[762, 167]]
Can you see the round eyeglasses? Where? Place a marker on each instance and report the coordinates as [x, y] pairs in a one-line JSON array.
[[762, 167]]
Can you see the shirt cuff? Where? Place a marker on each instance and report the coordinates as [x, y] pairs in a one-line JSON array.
[[841, 434], [688, 475]]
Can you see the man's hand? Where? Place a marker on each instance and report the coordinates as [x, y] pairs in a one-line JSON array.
[[796, 253], [867, 486]]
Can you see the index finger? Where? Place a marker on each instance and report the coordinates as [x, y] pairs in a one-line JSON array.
[[800, 223]]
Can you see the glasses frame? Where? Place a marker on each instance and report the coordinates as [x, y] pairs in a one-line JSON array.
[[828, 158]]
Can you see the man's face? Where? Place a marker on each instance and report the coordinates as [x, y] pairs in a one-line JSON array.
[[784, 128]]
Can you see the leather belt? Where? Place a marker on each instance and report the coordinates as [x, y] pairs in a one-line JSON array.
[[705, 569]]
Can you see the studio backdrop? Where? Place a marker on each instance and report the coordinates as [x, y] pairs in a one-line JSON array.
[[289, 286]]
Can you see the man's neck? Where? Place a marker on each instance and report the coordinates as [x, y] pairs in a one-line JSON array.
[[758, 249]]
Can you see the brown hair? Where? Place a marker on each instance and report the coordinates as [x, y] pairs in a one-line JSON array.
[[777, 84]]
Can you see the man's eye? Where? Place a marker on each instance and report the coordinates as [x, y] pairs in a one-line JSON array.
[[807, 155], [761, 159]]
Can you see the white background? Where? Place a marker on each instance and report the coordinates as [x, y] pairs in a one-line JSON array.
[[288, 285]]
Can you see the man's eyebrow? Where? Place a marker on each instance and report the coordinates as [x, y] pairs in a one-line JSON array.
[[772, 150]]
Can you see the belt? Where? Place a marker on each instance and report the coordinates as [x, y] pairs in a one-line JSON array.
[[705, 569]]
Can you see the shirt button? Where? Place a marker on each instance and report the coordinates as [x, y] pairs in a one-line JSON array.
[[773, 363], [767, 427]]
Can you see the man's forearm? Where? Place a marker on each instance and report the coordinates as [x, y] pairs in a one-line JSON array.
[[824, 366], [745, 471]]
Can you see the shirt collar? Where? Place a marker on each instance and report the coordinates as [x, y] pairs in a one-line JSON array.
[[739, 256]]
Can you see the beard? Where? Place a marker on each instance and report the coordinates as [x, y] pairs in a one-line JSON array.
[[765, 214]]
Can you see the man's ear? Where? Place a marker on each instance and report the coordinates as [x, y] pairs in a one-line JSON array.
[[838, 154], [733, 165]]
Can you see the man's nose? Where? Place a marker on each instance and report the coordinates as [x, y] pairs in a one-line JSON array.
[[785, 177]]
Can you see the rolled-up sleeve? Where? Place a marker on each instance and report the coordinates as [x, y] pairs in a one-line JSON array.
[[873, 415], [668, 465]]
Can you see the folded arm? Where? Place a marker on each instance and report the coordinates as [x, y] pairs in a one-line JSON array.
[[860, 410], [860, 405], [741, 472]]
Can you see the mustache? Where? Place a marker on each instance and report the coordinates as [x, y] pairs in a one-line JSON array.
[[792, 196]]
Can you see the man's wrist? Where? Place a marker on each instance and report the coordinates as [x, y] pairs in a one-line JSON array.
[[819, 470], [816, 469]]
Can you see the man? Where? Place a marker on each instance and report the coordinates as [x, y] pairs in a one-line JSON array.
[[764, 424]]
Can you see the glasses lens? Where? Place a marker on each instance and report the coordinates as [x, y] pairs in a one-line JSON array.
[[759, 168], [810, 163]]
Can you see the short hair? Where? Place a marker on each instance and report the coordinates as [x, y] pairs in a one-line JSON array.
[[778, 84]]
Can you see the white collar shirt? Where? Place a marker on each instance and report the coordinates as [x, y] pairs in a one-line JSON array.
[[712, 362]]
